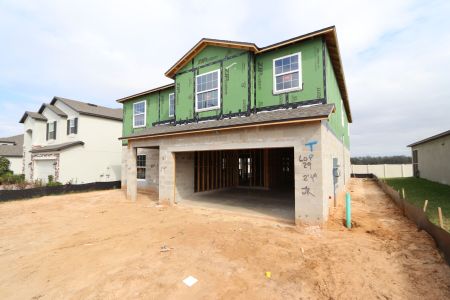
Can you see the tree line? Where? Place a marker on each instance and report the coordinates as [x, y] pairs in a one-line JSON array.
[[377, 160]]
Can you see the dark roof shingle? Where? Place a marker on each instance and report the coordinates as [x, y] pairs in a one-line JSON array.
[[34, 115], [313, 112], [57, 147], [431, 138], [91, 109], [12, 150]]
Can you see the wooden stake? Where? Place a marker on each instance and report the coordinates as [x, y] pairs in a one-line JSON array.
[[403, 193], [441, 222], [425, 206]]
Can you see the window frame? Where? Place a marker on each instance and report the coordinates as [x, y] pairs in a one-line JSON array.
[[141, 167], [218, 92], [172, 115], [299, 70], [53, 136], [72, 127], [145, 114]]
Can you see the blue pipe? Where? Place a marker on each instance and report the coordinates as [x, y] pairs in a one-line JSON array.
[[348, 210]]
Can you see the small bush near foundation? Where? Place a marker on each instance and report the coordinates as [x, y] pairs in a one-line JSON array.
[[54, 183], [4, 166], [10, 178]]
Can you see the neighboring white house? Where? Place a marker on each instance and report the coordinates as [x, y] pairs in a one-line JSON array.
[[73, 141], [12, 148], [431, 158]]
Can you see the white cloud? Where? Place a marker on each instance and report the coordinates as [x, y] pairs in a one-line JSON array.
[[393, 53]]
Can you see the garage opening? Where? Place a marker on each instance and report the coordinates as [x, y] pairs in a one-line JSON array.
[[248, 180]]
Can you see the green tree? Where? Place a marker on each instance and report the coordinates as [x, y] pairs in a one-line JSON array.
[[4, 165]]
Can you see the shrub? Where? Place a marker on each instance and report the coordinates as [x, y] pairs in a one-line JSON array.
[[54, 183], [50, 178], [4, 165], [10, 178]]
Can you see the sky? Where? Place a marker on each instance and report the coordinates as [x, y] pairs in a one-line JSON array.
[[395, 54]]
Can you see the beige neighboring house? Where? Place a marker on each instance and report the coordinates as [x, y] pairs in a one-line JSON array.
[[431, 158], [12, 148], [73, 141]]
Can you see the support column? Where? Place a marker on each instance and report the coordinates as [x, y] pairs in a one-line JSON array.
[[166, 176], [311, 206], [131, 173]]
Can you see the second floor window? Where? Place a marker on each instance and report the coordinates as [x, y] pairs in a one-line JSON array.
[[72, 126], [287, 74], [207, 91], [51, 131], [139, 109], [171, 104]]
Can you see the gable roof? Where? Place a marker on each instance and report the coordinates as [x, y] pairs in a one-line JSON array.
[[57, 147], [160, 88], [14, 150], [277, 117], [431, 138], [34, 115], [90, 109], [328, 33], [53, 108]]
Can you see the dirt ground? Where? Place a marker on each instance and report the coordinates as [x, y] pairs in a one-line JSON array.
[[98, 245]]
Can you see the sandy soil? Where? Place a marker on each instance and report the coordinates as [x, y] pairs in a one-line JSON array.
[[100, 246]]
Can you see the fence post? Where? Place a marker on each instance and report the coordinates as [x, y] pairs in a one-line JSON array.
[[403, 175], [441, 222]]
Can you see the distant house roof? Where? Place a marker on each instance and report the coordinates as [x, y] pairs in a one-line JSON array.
[[14, 147], [57, 147], [33, 115], [90, 109], [161, 88], [431, 138], [53, 108], [278, 117]]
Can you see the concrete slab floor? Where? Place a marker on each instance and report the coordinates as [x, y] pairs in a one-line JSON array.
[[278, 204]]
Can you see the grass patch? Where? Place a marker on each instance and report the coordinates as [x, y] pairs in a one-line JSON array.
[[418, 189]]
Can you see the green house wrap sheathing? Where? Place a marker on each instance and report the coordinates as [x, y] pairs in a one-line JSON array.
[[157, 110], [312, 74], [246, 85], [334, 96]]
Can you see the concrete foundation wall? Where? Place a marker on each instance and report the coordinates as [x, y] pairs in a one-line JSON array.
[[311, 204], [333, 147], [434, 160], [150, 183]]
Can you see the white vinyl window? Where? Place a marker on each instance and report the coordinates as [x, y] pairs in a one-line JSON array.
[[141, 164], [171, 104], [207, 91], [72, 129], [287, 75], [51, 131], [139, 112]]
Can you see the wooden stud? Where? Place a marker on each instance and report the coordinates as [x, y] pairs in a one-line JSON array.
[[174, 177], [203, 170], [441, 221], [266, 167], [425, 206]]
